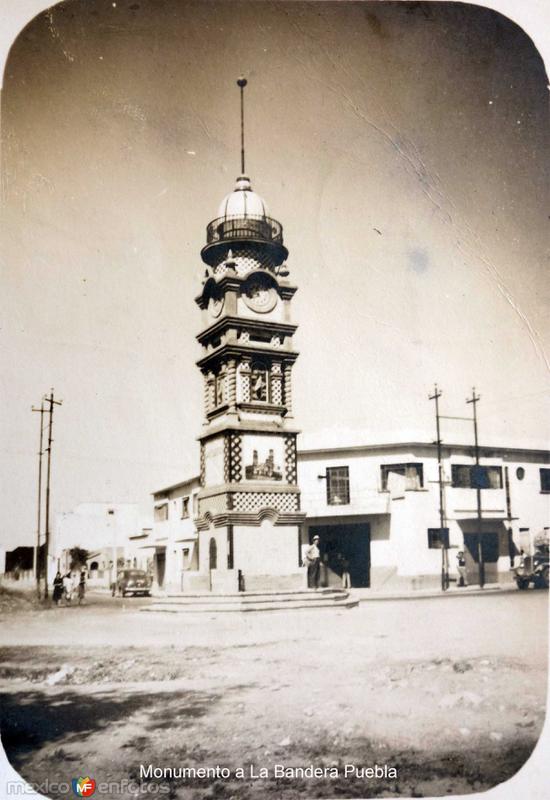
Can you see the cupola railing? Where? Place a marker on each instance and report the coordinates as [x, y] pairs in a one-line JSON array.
[[249, 227]]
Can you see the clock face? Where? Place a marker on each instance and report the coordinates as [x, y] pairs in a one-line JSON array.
[[216, 303], [259, 297]]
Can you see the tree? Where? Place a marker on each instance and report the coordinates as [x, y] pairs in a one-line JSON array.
[[79, 557]]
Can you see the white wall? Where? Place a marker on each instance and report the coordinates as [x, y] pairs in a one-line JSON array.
[[176, 532], [267, 549], [400, 521], [530, 505]]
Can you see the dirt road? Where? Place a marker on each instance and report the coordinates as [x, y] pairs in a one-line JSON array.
[[449, 693]]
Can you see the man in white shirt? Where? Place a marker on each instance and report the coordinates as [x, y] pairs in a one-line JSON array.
[[313, 564]]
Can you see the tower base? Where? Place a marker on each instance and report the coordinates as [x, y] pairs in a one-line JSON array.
[[234, 581], [247, 558]]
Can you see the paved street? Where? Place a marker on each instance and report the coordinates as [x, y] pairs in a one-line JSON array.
[[508, 624], [451, 691]]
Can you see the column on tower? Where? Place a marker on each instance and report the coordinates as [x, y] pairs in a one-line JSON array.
[[288, 389], [232, 385]]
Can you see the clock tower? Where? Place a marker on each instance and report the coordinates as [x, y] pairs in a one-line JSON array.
[[249, 513]]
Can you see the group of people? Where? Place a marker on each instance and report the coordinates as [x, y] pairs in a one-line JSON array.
[[312, 560], [67, 587]]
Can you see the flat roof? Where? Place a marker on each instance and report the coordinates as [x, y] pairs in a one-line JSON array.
[[179, 485], [465, 448]]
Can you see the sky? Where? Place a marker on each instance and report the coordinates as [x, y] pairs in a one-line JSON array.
[[404, 148]]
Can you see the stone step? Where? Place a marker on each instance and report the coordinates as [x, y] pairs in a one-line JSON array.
[[265, 593], [237, 606], [256, 598]]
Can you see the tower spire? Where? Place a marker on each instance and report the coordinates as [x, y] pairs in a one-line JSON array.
[[241, 83]]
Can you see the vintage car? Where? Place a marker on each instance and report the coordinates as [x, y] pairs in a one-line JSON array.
[[532, 569], [132, 581]]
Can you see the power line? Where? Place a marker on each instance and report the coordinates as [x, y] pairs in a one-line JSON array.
[[474, 400], [444, 549]]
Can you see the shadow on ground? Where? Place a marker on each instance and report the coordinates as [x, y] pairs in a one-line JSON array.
[[29, 719]]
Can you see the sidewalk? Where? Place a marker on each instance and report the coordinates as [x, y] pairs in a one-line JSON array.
[[364, 595]]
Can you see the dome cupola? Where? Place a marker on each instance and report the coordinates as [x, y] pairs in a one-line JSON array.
[[242, 201], [243, 222]]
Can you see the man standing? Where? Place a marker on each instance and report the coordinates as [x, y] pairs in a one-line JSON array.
[[313, 564], [461, 569], [82, 586], [346, 579]]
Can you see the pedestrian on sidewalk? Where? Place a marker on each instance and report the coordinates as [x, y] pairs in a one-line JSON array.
[[461, 569], [57, 588], [68, 587], [313, 564], [82, 587]]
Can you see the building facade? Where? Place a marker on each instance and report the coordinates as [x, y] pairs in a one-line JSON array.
[[173, 542], [377, 507]]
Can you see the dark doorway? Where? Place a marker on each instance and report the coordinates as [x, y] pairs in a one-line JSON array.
[[160, 566], [351, 541], [490, 550]]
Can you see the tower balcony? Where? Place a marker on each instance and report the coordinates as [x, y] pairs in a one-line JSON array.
[[251, 226], [224, 233]]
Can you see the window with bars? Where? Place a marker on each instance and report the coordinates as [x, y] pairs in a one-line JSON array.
[[337, 486], [438, 538], [260, 384], [475, 476], [219, 388], [410, 475], [161, 513], [184, 507]]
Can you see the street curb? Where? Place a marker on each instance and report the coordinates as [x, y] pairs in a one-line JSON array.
[[434, 594]]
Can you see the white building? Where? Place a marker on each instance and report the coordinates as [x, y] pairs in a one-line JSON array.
[[110, 532], [378, 507], [173, 541], [377, 504]]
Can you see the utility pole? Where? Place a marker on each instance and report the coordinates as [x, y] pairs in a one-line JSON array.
[[38, 525], [444, 551], [509, 518], [51, 402], [481, 564]]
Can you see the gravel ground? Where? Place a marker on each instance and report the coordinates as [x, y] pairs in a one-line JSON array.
[[451, 694]]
